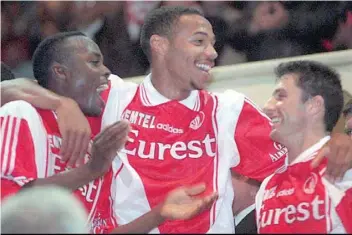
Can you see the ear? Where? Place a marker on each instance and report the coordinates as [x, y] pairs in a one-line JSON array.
[[316, 105], [59, 71], [159, 44]]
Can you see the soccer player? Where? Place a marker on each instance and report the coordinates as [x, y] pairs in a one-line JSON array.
[[181, 134], [304, 108], [31, 139]]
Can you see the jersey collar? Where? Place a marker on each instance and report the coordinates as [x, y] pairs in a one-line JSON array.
[[311, 151], [151, 97]]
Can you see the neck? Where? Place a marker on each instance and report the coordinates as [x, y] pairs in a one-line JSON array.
[[301, 141], [168, 86]]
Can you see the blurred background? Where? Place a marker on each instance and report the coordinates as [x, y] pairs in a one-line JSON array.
[[246, 31]]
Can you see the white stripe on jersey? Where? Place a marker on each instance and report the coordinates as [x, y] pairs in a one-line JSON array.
[[327, 211], [14, 146], [5, 142], [143, 95], [8, 138], [216, 162]]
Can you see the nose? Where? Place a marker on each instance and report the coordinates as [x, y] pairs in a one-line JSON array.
[[211, 52], [269, 106]]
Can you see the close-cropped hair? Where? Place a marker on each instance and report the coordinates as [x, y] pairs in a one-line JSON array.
[[314, 79], [161, 21], [51, 49]]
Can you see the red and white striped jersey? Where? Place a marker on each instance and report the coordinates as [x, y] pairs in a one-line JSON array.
[[30, 145], [298, 199], [176, 143]]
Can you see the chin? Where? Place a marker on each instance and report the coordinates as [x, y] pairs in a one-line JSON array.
[[198, 86], [93, 111], [274, 135]]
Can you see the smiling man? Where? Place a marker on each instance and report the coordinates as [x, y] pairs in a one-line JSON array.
[[304, 108]]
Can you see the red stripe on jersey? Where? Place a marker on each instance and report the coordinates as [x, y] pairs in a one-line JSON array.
[[10, 143], [13, 145], [4, 133], [118, 171], [144, 95]]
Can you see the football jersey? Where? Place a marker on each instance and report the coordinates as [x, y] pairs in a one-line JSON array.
[[30, 146], [298, 199], [176, 143]]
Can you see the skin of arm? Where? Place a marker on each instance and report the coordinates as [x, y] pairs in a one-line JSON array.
[[71, 180], [73, 125], [142, 224], [28, 90]]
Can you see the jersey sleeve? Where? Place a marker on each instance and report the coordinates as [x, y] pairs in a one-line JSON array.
[[18, 165], [340, 194], [259, 155]]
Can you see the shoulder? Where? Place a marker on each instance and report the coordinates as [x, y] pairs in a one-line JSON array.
[[229, 96], [19, 109], [238, 103], [118, 83], [21, 116]]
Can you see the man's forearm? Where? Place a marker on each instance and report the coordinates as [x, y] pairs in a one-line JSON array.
[[143, 224], [71, 180], [28, 90]]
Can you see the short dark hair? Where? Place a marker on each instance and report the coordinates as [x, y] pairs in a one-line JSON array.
[[348, 108], [49, 50], [161, 21], [6, 73], [314, 79]]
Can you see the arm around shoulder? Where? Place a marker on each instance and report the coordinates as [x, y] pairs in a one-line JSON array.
[[29, 90]]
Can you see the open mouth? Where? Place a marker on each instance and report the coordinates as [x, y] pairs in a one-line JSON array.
[[204, 67], [102, 88], [276, 120]]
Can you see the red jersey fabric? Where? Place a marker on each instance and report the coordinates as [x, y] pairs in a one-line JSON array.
[[174, 143], [298, 199]]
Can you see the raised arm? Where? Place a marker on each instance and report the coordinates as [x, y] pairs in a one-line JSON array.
[[73, 125]]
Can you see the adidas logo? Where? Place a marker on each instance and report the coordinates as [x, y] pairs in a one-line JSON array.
[[197, 121]]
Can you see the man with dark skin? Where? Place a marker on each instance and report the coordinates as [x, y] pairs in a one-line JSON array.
[[71, 70], [181, 55]]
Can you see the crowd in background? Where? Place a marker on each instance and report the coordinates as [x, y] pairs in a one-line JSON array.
[[246, 31]]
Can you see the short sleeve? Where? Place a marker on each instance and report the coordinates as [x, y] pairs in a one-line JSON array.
[[259, 155], [17, 155]]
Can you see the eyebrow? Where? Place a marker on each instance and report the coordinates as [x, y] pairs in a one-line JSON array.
[[205, 34], [97, 54]]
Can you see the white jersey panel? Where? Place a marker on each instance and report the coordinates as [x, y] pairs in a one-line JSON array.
[[23, 110]]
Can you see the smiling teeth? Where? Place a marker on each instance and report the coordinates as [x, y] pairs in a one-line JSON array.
[[203, 67], [275, 120], [102, 88]]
